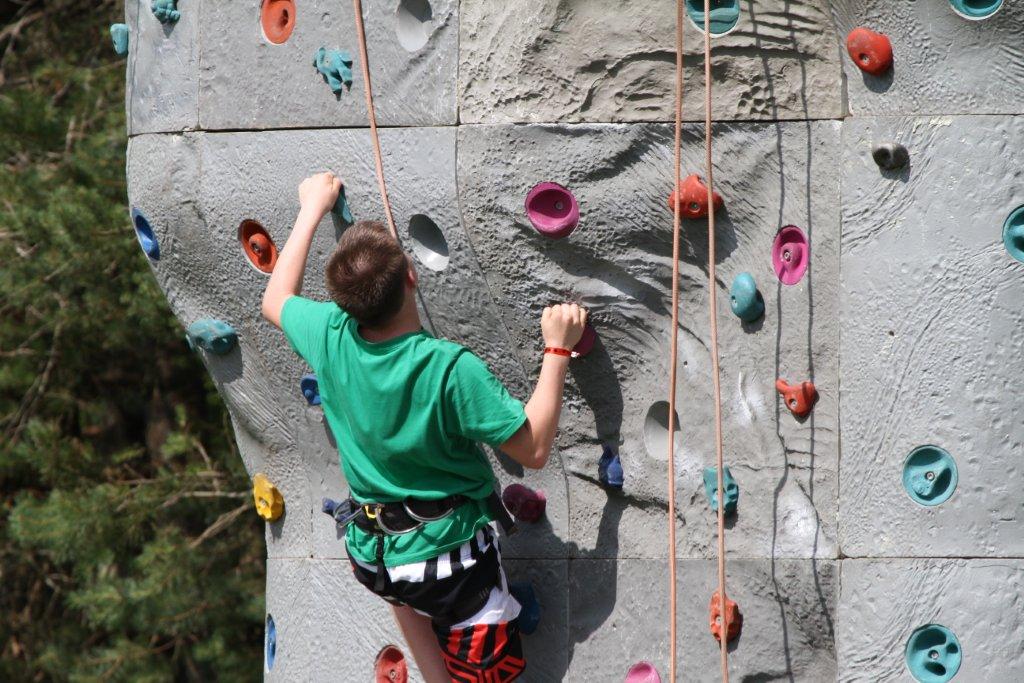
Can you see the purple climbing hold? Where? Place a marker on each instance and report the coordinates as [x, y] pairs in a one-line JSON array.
[[643, 672], [552, 210]]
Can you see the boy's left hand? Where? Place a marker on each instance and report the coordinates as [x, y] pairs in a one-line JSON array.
[[318, 193]]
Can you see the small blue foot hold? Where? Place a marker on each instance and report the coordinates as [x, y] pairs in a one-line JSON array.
[[746, 301], [336, 68], [271, 643], [342, 210], [214, 336], [933, 654], [732, 489], [119, 34], [529, 616], [166, 11], [144, 232], [609, 469], [310, 389]]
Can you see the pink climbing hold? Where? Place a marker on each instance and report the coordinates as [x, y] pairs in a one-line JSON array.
[[586, 342], [525, 504], [643, 672], [790, 254], [552, 209]]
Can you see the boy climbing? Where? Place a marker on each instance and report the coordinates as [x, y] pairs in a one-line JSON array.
[[407, 411]]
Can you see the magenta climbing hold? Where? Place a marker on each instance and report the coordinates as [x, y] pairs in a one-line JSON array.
[[790, 254], [643, 672], [524, 503], [586, 343], [552, 209]]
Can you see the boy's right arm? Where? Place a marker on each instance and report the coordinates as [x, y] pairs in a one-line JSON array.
[[562, 327]]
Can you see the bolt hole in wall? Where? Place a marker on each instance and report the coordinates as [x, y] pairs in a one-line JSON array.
[[933, 654], [428, 242], [147, 238], [656, 431], [976, 9], [1013, 233], [929, 475], [257, 245], [277, 17], [725, 14], [270, 646], [413, 20]]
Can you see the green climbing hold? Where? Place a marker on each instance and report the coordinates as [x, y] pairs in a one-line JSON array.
[[166, 11], [724, 14], [929, 475], [336, 68], [215, 336], [342, 210], [732, 489], [119, 34], [976, 9], [746, 301]]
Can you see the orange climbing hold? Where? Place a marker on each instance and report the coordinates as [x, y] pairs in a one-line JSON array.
[[278, 19], [733, 618], [870, 51], [390, 666], [257, 245], [800, 399], [693, 198]]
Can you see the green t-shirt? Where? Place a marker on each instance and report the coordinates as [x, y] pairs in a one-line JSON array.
[[407, 414]]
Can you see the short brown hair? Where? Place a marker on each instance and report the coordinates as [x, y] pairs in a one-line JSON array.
[[366, 273]]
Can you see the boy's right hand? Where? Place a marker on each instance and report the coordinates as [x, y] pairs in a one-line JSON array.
[[562, 325], [318, 193]]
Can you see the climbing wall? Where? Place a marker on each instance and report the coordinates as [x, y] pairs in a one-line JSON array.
[[874, 533]]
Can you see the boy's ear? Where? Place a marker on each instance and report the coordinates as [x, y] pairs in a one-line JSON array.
[[411, 277]]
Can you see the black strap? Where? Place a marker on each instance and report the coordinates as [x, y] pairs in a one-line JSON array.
[[501, 513], [382, 572]]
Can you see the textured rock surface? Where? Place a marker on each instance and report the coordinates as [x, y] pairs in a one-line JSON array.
[[906, 319]]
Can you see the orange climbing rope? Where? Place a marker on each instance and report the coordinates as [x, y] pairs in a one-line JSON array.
[[364, 63], [677, 162], [713, 315]]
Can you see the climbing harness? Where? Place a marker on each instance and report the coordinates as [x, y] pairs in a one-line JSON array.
[[364, 64]]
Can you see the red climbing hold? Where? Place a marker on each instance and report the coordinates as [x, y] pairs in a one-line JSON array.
[[733, 618], [586, 343], [390, 666], [870, 51], [525, 504], [278, 20], [800, 399], [693, 198], [257, 245]]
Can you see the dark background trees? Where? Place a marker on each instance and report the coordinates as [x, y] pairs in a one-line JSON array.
[[129, 549]]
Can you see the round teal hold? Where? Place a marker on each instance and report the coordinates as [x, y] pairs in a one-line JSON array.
[[976, 9], [1013, 233], [724, 15], [745, 300], [933, 654], [929, 475]]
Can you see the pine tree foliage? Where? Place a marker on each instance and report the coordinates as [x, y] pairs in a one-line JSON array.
[[129, 548]]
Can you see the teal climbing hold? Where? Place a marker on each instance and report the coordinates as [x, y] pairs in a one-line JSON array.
[[166, 11], [336, 68], [215, 336], [933, 654], [342, 209], [976, 9], [119, 34], [1013, 233], [732, 489], [929, 475], [746, 301], [724, 14]]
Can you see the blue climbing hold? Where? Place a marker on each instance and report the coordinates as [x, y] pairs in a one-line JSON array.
[[1013, 233], [976, 9], [609, 469], [271, 644], [119, 34], [147, 238], [933, 654], [724, 14], [732, 489], [215, 336], [310, 389], [529, 615], [336, 68], [929, 475], [342, 209], [166, 11], [746, 301]]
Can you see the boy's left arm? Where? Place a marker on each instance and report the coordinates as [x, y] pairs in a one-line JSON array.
[[317, 194]]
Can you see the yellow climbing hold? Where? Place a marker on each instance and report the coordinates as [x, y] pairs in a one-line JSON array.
[[269, 501]]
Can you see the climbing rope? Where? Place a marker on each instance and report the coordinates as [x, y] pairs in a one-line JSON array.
[[677, 162], [364, 64], [712, 313]]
